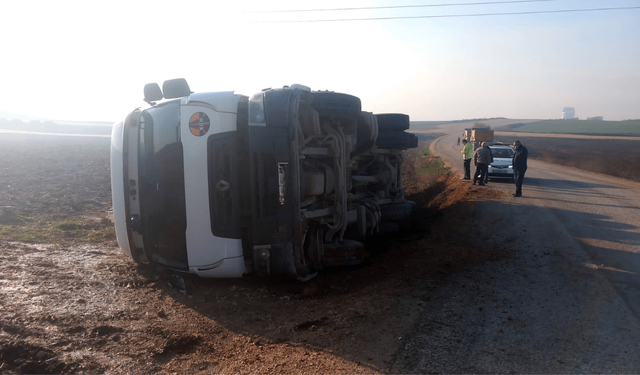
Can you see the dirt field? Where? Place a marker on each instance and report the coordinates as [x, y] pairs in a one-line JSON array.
[[70, 302]]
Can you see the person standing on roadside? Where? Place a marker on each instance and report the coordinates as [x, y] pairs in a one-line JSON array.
[[519, 164], [458, 144], [482, 158], [467, 155]]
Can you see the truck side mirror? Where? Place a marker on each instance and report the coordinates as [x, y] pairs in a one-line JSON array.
[[176, 88], [152, 93]]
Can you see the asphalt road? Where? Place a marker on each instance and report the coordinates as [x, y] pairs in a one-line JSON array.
[[566, 300]]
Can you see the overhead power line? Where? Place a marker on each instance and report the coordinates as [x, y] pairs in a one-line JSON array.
[[394, 7], [450, 15]]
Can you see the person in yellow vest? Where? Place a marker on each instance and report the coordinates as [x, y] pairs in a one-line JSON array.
[[467, 155]]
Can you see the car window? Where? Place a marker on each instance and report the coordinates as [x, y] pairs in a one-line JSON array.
[[501, 152]]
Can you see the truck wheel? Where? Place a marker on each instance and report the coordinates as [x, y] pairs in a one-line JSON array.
[[367, 131], [393, 121], [329, 103], [398, 211], [396, 140]]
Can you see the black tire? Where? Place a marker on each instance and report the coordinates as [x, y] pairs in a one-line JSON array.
[[329, 103], [396, 140], [398, 211], [366, 133], [393, 121]]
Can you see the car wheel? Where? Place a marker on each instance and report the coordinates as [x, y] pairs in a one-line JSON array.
[[393, 121], [329, 103], [396, 140]]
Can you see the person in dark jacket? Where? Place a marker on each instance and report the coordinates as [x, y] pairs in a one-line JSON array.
[[519, 164], [482, 158]]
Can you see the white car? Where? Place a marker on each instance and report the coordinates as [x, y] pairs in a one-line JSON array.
[[502, 161]]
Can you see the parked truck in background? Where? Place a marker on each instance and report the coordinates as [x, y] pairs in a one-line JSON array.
[[478, 135], [284, 183]]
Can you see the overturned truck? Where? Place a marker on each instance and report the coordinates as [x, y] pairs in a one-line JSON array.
[[282, 183]]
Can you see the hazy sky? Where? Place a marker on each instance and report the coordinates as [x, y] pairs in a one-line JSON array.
[[89, 60]]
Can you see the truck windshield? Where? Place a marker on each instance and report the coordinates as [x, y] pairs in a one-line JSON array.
[[161, 184]]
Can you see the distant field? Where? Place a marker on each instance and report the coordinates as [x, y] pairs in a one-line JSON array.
[[61, 127], [421, 124], [615, 157], [578, 127]]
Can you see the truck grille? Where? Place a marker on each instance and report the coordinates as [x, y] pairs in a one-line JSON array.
[[223, 185]]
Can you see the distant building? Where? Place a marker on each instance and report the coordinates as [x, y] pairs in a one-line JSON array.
[[596, 118], [568, 113]]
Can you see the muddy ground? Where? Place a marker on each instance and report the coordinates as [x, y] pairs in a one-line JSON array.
[[70, 302]]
